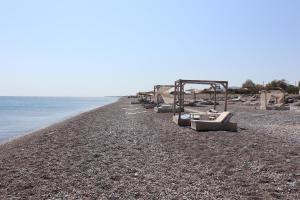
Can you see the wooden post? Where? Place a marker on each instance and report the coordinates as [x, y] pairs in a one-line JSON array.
[[226, 96], [175, 96], [215, 97], [157, 99], [154, 92], [183, 95], [180, 99]]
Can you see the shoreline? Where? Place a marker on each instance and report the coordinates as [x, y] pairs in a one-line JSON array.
[[110, 154], [45, 127]]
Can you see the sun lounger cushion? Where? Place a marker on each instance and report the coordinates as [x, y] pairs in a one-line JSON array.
[[224, 117]]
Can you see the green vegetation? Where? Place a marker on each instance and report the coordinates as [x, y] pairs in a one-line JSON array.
[[277, 84], [249, 84], [249, 87]]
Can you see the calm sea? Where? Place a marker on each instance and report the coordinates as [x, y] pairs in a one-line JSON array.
[[21, 115]]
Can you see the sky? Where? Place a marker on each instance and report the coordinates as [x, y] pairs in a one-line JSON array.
[[117, 47]]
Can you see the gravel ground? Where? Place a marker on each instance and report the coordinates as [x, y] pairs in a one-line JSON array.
[[122, 152]]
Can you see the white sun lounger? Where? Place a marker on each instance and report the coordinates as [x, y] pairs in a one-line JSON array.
[[221, 123]]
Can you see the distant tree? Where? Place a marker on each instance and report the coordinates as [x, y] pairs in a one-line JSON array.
[[291, 89], [283, 84], [251, 87], [276, 84], [259, 87], [299, 84], [249, 84]]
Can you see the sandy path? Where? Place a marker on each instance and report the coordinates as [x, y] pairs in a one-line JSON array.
[[113, 153]]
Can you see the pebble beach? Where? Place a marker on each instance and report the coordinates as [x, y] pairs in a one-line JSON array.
[[122, 151]]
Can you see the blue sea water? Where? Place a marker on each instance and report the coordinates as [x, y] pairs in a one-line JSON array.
[[21, 115]]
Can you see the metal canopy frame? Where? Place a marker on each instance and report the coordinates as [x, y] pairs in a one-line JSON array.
[[156, 88], [179, 92]]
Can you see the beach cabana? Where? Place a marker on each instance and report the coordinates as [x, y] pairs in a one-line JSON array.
[[164, 98], [202, 120], [162, 94], [148, 102], [144, 98]]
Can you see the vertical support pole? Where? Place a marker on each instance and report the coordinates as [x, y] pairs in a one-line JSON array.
[[157, 99], [175, 97], [154, 92], [183, 96], [180, 99], [215, 97], [226, 96], [266, 96]]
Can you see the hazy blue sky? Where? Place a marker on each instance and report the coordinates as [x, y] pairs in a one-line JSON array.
[[95, 48]]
